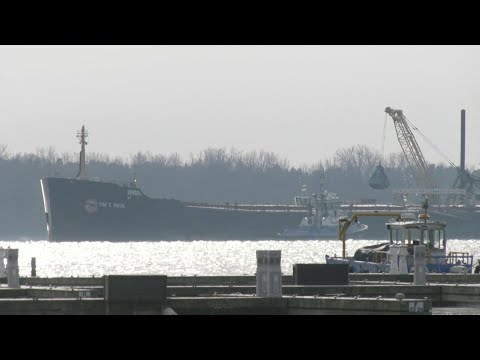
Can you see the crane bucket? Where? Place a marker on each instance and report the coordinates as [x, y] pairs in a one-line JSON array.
[[379, 179]]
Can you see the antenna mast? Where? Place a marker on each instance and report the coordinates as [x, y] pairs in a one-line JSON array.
[[82, 136]]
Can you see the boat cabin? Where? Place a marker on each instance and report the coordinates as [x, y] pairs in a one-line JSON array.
[[422, 231], [410, 232]]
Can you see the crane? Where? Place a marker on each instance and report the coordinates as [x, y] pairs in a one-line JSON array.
[[412, 152], [463, 190]]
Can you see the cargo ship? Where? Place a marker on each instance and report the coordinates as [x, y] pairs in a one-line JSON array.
[[81, 208]]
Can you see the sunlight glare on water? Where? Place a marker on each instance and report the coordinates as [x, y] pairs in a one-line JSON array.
[[176, 258]]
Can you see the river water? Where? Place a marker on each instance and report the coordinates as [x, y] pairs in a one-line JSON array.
[[176, 258]]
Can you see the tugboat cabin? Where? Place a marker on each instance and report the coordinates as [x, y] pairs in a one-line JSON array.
[[410, 232]]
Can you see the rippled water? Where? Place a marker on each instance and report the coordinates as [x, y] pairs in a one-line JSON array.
[[175, 258]]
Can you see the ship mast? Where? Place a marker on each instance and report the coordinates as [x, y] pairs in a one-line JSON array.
[[82, 136]]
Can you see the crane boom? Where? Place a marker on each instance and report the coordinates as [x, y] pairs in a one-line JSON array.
[[412, 151]]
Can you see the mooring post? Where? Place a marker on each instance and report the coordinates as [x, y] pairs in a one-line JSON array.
[[13, 277], [419, 276], [34, 267], [269, 273], [3, 269]]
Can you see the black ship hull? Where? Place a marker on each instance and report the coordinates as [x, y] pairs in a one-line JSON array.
[[79, 210]]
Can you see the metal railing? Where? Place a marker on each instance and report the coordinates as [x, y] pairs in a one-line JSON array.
[[435, 263]]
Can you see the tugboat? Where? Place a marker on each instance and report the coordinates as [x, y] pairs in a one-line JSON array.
[[322, 219], [405, 232]]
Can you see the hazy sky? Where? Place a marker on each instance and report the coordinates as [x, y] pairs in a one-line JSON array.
[[301, 102]]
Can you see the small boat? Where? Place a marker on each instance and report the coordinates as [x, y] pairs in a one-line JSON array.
[[405, 232], [322, 220]]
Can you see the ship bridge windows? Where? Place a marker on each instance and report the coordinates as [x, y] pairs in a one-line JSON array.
[[411, 236], [425, 240], [433, 238], [134, 194], [396, 236], [438, 238], [404, 236], [400, 236]]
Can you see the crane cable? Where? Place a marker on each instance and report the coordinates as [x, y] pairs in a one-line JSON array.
[[432, 144], [475, 179], [383, 138]]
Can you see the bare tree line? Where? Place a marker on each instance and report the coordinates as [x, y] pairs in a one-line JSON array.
[[359, 158]]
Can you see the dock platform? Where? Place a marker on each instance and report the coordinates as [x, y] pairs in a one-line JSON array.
[[236, 295]]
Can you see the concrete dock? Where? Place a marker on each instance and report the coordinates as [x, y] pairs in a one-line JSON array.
[[236, 295]]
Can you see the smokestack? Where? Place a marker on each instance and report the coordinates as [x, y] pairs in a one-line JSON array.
[[462, 142]]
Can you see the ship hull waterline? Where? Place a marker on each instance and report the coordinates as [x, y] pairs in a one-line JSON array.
[[79, 210]]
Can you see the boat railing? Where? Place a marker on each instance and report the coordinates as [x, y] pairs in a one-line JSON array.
[[249, 207], [438, 263], [110, 181], [454, 257], [443, 263], [113, 181]]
